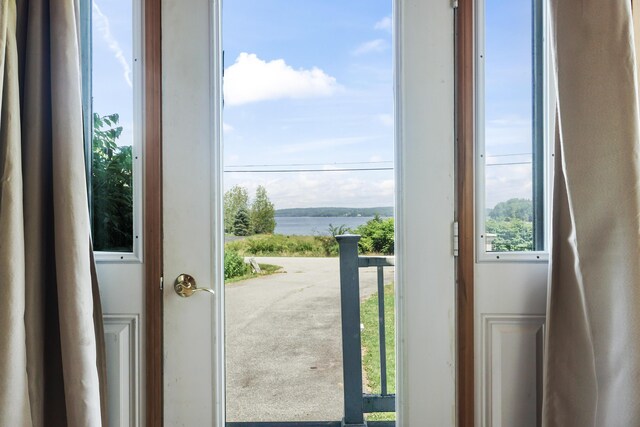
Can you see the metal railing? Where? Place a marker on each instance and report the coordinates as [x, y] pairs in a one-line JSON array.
[[357, 403]]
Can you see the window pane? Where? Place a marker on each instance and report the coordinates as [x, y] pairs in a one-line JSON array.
[[512, 91], [113, 124]]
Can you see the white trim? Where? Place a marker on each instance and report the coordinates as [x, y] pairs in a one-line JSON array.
[[137, 150], [217, 192], [479, 191]]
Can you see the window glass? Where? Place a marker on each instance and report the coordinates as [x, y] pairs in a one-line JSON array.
[[112, 125], [511, 133]]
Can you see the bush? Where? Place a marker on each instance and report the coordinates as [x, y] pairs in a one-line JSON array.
[[277, 245], [377, 236], [511, 235], [234, 265]]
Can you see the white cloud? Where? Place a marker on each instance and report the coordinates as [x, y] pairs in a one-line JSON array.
[[310, 189], [102, 25], [377, 45], [385, 119], [227, 128], [323, 144], [251, 79], [384, 24]]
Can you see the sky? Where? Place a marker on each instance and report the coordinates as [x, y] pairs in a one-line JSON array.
[[309, 85]]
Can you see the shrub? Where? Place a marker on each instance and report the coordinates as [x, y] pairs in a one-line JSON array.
[[234, 265], [511, 235], [377, 236]]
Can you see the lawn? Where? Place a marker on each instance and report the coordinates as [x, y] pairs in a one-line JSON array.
[[266, 270], [371, 348]]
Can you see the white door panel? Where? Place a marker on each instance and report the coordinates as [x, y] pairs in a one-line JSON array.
[[510, 305]]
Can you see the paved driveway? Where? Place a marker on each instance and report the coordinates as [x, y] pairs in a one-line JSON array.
[[283, 342]]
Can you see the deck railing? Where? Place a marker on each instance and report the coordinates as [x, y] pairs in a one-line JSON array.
[[357, 403]]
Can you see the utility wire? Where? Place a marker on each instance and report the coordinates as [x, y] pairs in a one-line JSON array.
[[309, 164], [307, 170], [508, 164]]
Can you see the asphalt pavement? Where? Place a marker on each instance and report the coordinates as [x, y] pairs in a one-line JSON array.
[[283, 341]]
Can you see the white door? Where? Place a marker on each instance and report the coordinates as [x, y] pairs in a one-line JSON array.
[[193, 327], [513, 129]]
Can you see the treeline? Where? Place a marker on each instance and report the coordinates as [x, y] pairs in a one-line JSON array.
[[512, 224], [386, 211], [242, 218]]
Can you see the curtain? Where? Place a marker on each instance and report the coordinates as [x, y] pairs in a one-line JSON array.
[[52, 370], [592, 351]]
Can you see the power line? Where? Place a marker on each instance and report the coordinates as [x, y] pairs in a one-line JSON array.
[[508, 155], [309, 164], [308, 170], [508, 164]]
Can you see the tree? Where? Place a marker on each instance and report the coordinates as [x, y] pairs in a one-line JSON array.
[[262, 213], [235, 199], [513, 209], [241, 223], [111, 186], [511, 235]]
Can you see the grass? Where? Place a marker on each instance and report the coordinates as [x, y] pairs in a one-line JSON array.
[[266, 270], [278, 245], [371, 347]]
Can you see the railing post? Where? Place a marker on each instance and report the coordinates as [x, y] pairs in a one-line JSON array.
[[351, 344]]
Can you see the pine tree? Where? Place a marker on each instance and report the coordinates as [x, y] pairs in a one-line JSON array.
[[241, 223], [262, 213], [235, 199]]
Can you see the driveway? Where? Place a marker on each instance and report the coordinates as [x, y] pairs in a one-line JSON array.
[[283, 342]]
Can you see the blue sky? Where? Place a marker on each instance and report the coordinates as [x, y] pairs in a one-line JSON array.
[[310, 83]]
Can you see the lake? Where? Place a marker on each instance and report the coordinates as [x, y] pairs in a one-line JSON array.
[[312, 225]]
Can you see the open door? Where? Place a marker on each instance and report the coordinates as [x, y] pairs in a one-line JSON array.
[[193, 354]]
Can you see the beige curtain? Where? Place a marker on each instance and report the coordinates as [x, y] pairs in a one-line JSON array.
[[592, 363], [51, 338]]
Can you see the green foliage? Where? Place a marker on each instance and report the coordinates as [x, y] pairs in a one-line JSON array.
[[329, 242], [242, 223], [371, 345], [234, 265], [111, 185], [235, 199], [262, 213], [511, 235], [521, 209], [377, 236], [277, 245]]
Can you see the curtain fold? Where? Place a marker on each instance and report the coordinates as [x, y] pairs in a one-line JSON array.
[[52, 370], [592, 351]]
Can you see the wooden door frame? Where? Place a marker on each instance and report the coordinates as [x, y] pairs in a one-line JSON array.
[[465, 95], [152, 212]]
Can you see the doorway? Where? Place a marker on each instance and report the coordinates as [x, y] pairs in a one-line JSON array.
[[308, 155]]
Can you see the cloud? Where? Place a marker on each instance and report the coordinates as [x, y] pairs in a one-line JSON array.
[[251, 79], [309, 189], [227, 128], [385, 119], [372, 46], [319, 144], [384, 24], [101, 23]]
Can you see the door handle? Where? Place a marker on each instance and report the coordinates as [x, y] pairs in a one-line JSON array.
[[185, 286]]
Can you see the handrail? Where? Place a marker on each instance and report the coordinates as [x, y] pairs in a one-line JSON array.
[[356, 404]]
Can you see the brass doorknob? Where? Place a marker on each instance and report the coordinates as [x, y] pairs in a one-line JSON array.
[[185, 286]]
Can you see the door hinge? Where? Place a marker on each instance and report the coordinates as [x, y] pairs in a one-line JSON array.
[[161, 283], [454, 4], [455, 238]]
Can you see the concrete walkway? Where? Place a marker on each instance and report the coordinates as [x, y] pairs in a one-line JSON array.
[[283, 342]]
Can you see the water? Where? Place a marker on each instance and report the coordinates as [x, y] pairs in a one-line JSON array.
[[309, 226]]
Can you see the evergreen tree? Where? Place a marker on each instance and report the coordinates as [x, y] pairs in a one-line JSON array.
[[262, 213], [235, 199], [241, 223]]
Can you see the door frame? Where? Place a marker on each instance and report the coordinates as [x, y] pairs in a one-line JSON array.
[[465, 89], [425, 141], [152, 212]]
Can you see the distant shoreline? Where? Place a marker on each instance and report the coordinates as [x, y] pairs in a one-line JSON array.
[[384, 211]]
